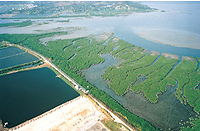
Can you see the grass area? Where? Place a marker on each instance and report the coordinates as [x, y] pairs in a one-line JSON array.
[[190, 93], [195, 123], [19, 67], [62, 20], [21, 24], [199, 65], [181, 74], [156, 81], [86, 55], [2, 46], [122, 77], [113, 126]]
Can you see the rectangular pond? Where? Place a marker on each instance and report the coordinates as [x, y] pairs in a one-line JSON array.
[[25, 95], [13, 56]]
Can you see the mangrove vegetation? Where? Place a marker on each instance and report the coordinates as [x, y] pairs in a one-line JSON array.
[[156, 71], [18, 24]]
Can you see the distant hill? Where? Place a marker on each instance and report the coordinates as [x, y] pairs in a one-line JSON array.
[[85, 7]]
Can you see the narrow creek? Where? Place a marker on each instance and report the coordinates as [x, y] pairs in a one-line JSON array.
[[90, 41], [180, 59], [107, 40], [197, 65], [72, 57], [165, 114], [93, 75], [73, 42], [160, 54]]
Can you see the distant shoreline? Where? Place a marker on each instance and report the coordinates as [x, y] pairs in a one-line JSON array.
[[174, 38], [159, 42]]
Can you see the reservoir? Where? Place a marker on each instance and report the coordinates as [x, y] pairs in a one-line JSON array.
[[25, 95], [13, 56], [180, 17]]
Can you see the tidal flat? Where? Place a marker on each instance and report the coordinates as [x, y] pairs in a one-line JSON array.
[[179, 25], [176, 38], [136, 61]]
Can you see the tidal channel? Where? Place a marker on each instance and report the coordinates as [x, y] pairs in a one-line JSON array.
[[165, 114]]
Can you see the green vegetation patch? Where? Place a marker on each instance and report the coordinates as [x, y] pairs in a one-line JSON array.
[[73, 9], [21, 24], [188, 80], [73, 55], [60, 51], [199, 65], [195, 127], [181, 74], [2, 46], [18, 67], [113, 126], [156, 81], [125, 76], [62, 21], [86, 54]]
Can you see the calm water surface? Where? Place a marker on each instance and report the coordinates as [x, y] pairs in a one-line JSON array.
[[167, 113], [13, 56], [25, 95], [179, 16]]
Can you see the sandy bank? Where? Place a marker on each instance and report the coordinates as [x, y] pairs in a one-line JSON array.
[[188, 58], [170, 56], [79, 114], [154, 52], [176, 38]]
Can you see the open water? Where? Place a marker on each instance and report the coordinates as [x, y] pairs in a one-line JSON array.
[[165, 114], [13, 56], [25, 95], [180, 17]]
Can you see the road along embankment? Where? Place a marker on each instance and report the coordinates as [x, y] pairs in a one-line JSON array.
[[77, 114], [76, 85], [41, 123]]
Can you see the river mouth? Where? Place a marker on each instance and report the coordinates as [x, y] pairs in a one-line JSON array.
[[165, 114]]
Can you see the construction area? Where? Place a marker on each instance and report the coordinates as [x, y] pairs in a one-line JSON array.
[[83, 113], [79, 114]]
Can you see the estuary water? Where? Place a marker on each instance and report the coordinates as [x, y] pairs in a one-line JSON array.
[[25, 95], [142, 29], [178, 31]]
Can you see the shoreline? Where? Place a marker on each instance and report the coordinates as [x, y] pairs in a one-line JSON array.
[[159, 42], [170, 40], [83, 112], [28, 122], [43, 115]]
